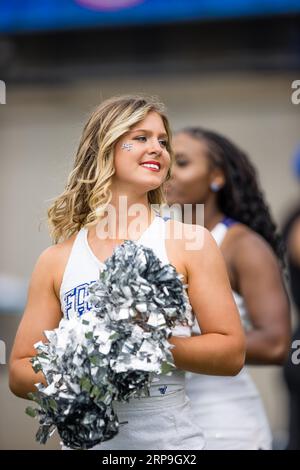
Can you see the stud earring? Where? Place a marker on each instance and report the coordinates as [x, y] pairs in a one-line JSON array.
[[215, 187]]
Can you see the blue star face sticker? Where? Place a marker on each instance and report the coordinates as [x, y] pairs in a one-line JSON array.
[[127, 147], [163, 389]]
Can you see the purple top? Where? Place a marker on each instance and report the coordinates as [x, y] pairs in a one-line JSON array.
[[228, 222]]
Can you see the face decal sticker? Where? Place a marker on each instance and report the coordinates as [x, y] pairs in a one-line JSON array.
[[127, 147]]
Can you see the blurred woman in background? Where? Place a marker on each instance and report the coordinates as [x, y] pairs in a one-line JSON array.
[[211, 170]]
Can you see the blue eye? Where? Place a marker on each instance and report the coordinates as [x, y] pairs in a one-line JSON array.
[[164, 143], [143, 138]]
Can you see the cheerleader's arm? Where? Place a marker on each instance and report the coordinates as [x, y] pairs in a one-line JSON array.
[[220, 349], [42, 312]]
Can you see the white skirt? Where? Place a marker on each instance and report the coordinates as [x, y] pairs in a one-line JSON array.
[[243, 426], [155, 423], [230, 411]]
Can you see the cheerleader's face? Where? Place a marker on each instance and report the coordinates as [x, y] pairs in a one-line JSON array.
[[141, 156], [191, 173]]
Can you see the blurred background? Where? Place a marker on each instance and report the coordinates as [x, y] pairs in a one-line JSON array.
[[228, 65]]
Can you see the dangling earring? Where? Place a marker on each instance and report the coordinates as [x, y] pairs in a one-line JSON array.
[[215, 187]]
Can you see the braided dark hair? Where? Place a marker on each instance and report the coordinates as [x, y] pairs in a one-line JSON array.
[[241, 197]]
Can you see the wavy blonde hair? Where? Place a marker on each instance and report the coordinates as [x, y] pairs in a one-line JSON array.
[[87, 192]]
